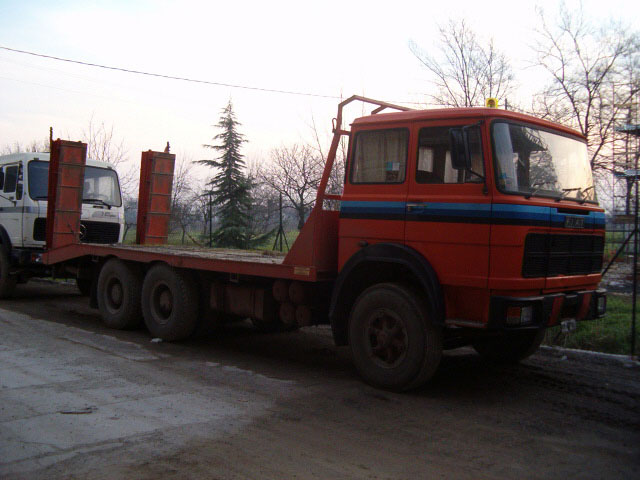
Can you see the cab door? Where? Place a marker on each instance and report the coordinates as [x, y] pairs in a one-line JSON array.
[[448, 210], [372, 208], [11, 202]]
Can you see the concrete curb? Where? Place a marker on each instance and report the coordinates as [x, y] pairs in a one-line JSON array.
[[627, 360]]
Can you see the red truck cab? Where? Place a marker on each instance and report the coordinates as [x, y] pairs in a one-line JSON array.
[[490, 215]]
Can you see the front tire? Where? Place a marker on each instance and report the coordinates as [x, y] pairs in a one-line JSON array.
[[510, 347], [169, 303], [118, 292], [394, 344]]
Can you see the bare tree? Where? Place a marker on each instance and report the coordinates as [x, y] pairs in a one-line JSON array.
[[183, 194], [336, 177], [588, 89], [102, 145], [264, 209], [465, 71], [294, 172], [31, 147]]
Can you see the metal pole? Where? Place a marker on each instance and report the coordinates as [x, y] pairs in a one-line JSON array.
[[635, 268], [210, 221]]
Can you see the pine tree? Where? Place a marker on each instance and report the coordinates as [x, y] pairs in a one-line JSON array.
[[230, 187]]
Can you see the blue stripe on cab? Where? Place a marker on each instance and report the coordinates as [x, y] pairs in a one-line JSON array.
[[499, 213], [382, 208], [521, 212]]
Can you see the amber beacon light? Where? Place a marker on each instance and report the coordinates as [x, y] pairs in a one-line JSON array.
[[491, 103]]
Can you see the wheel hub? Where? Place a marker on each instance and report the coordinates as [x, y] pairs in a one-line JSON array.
[[388, 341], [162, 303], [115, 294]]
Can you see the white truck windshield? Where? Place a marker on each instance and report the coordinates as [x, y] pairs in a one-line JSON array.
[[100, 184]]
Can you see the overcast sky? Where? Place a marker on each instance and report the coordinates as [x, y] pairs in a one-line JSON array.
[[324, 47]]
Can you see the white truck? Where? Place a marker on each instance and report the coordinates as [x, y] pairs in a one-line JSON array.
[[23, 215]]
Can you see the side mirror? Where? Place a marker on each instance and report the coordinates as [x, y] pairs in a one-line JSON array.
[[19, 191], [460, 158], [1, 179]]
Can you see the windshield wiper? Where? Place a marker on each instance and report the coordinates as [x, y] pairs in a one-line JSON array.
[[566, 191], [582, 192], [537, 187], [40, 197], [99, 201]]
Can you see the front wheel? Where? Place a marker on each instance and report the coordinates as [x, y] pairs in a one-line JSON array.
[[169, 303], [510, 347], [394, 344]]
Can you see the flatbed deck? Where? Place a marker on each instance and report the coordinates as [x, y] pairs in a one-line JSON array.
[[243, 262]]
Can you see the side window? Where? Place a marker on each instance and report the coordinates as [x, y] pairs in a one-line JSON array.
[[10, 179], [380, 156], [434, 157]]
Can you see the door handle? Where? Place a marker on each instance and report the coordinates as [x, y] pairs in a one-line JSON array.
[[415, 205]]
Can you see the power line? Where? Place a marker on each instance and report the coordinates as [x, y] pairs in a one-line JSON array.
[[171, 77], [193, 80]]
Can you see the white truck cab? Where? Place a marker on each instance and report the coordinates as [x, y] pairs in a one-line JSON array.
[[24, 181], [23, 201]]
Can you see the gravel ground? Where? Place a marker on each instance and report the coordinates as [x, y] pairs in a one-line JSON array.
[[80, 401]]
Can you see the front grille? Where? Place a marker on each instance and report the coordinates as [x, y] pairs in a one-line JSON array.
[[99, 232], [551, 255], [90, 232]]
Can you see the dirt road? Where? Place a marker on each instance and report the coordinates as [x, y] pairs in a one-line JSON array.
[[80, 401]]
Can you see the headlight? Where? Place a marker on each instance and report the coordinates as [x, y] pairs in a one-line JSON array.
[[519, 315]]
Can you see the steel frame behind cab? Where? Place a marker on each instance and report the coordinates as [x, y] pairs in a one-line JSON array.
[[66, 178], [312, 257]]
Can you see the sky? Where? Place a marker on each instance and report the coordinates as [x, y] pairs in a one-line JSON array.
[[327, 48]]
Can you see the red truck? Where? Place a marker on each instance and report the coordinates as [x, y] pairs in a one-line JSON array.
[[456, 227]]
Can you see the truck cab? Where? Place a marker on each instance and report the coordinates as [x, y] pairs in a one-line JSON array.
[[489, 215], [23, 208]]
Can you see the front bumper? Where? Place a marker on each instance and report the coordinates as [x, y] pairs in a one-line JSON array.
[[545, 310]]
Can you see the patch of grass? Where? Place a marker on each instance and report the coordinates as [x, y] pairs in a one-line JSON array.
[[611, 334], [290, 236]]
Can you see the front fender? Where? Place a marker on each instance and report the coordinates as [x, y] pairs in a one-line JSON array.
[[376, 256]]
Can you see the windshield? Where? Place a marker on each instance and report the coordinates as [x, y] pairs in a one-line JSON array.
[[531, 161], [100, 184]]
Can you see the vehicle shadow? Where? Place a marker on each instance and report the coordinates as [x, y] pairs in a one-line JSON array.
[[308, 354]]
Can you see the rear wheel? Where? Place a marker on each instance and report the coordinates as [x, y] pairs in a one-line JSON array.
[[7, 281], [119, 287], [393, 342], [169, 303], [510, 347]]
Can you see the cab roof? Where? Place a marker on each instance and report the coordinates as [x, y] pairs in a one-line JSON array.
[[44, 156], [473, 113]]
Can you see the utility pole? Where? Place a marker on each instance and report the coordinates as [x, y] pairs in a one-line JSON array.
[[210, 219]]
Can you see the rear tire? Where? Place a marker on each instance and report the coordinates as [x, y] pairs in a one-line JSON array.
[[119, 287], [7, 281], [169, 303], [510, 347], [394, 344]]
